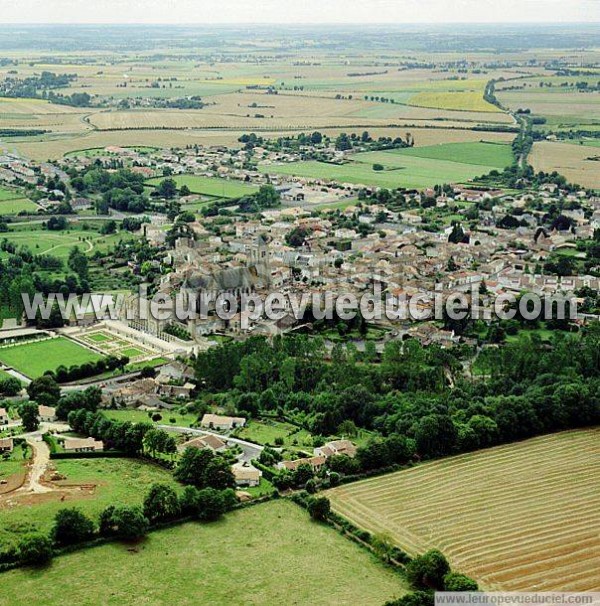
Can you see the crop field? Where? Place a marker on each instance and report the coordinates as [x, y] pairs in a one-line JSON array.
[[518, 517], [209, 186], [409, 168], [573, 161], [13, 202], [469, 101], [88, 484], [269, 549], [34, 359]]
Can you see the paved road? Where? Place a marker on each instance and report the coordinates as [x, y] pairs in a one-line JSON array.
[[249, 450]]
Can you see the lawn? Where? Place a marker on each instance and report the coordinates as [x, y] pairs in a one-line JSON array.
[[34, 359], [266, 554], [140, 416], [210, 186], [416, 167], [266, 431], [104, 482]]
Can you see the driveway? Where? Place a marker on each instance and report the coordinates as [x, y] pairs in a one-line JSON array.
[[249, 450]]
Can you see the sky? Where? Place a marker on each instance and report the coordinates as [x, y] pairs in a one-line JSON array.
[[189, 12]]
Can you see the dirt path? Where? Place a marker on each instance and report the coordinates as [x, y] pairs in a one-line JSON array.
[[41, 459]]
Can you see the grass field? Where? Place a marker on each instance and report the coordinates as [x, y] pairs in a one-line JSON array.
[[208, 186], [90, 484], [414, 167], [268, 554], [34, 359], [140, 416], [13, 202], [518, 517]]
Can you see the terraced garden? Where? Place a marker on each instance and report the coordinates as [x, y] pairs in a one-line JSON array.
[[518, 517]]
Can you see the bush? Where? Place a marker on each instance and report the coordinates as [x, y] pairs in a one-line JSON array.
[[71, 526], [428, 570], [35, 549], [319, 508], [454, 581], [123, 522]]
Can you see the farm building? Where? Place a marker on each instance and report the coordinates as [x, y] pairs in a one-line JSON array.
[[83, 445], [221, 422], [3, 417]]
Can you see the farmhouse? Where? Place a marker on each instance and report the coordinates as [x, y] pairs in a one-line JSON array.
[[46, 413], [83, 445], [246, 475], [221, 422], [316, 463], [213, 442], [3, 417], [336, 447], [6, 444]]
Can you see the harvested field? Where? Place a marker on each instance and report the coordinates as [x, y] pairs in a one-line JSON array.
[[572, 161], [519, 517]]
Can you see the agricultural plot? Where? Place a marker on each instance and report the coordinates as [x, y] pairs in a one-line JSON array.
[[468, 101], [576, 162], [520, 517], [409, 168], [13, 202], [34, 359], [272, 547], [209, 186]]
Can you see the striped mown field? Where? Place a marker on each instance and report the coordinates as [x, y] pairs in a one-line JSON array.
[[523, 516]]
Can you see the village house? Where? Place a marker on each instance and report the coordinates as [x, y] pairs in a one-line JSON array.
[[46, 414], [246, 474], [210, 421], [336, 447], [315, 462], [3, 417], [6, 444], [213, 443], [83, 445]]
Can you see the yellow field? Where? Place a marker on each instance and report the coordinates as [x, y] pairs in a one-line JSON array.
[[569, 160], [524, 516], [471, 101]]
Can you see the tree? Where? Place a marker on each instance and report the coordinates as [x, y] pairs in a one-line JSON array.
[[44, 390], [267, 197], [436, 435], [124, 522], [78, 262], [35, 549], [184, 190], [417, 598], [161, 503], [28, 411], [10, 386], [204, 469], [319, 508], [428, 570], [210, 504], [71, 526], [167, 188]]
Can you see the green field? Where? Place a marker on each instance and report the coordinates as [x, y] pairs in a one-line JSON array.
[[13, 202], [267, 554], [34, 359], [209, 186], [112, 480], [141, 416], [60, 243], [414, 167]]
